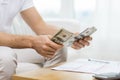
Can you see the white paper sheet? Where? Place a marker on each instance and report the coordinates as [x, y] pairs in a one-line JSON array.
[[90, 66]]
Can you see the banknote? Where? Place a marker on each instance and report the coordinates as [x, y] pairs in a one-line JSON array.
[[86, 32], [67, 38], [62, 36]]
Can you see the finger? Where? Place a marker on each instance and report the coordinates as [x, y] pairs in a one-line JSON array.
[[54, 45], [49, 36], [48, 48], [76, 44], [49, 57], [77, 33], [83, 42], [87, 38], [76, 47], [49, 53]]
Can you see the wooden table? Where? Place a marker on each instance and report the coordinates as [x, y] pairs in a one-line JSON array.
[[48, 74]]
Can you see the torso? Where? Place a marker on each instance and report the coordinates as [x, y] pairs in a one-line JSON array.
[[8, 10]]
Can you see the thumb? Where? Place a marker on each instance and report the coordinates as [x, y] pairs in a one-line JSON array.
[[50, 36], [77, 33]]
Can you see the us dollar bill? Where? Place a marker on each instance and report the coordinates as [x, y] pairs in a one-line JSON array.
[[86, 32], [67, 38], [62, 36]]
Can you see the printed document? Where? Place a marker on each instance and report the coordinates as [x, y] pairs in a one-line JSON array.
[[90, 66]]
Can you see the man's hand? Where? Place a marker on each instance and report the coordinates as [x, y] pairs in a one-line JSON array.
[[81, 43], [44, 46]]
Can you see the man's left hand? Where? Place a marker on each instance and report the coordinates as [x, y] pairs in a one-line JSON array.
[[81, 43]]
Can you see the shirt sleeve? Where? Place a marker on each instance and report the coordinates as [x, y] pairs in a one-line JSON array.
[[27, 4]]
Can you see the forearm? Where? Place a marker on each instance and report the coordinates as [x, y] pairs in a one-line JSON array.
[[38, 25], [15, 41], [47, 29]]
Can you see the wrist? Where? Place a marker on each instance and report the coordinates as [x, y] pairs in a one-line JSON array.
[[31, 41], [23, 41]]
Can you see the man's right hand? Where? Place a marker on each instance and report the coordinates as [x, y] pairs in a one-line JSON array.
[[44, 46]]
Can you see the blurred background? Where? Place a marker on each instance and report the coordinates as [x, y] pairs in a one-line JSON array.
[[103, 14]]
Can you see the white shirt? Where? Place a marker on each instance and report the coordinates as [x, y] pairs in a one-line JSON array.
[[9, 9]]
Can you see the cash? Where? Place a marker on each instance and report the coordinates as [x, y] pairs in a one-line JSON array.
[[86, 32], [62, 36], [67, 38]]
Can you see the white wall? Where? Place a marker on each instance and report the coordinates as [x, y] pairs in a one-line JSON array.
[[106, 41]]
